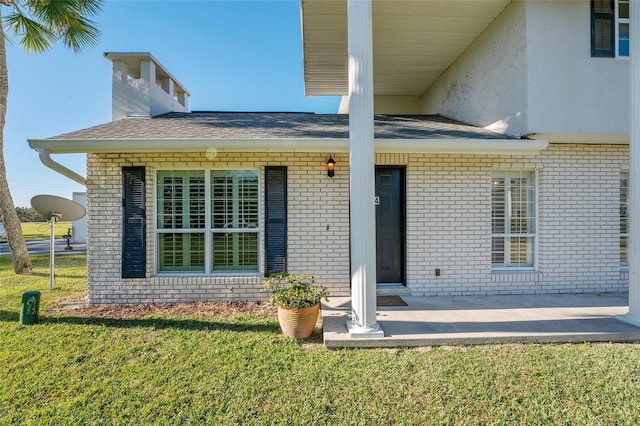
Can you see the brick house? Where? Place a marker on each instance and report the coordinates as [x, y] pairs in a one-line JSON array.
[[489, 147]]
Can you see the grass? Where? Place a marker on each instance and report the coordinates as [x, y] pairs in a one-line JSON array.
[[179, 369], [40, 230]]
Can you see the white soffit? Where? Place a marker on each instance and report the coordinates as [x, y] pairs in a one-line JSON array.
[[431, 146], [414, 42]]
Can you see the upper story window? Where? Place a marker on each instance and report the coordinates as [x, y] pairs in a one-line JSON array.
[[610, 28], [622, 27]]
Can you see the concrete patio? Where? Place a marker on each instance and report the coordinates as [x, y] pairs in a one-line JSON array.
[[433, 321]]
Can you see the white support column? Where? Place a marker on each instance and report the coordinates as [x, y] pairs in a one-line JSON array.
[[363, 321], [633, 316], [120, 70], [118, 87], [148, 71]]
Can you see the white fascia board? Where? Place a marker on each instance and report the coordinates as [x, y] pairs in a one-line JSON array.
[[583, 138], [461, 146], [418, 146], [172, 145]]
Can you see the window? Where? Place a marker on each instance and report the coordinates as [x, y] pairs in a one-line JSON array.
[[234, 218], [622, 27], [610, 28], [513, 220], [207, 222], [624, 219]]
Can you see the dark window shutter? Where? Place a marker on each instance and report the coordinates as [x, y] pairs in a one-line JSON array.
[[603, 28], [275, 200], [134, 251]]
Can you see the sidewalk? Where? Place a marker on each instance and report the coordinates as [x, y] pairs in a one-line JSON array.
[[437, 321]]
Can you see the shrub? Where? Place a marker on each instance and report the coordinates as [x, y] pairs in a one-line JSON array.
[[294, 291]]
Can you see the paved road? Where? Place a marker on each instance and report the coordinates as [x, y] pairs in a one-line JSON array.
[[42, 247]]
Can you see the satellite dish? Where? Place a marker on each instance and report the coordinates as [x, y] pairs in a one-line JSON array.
[[56, 208], [63, 209]]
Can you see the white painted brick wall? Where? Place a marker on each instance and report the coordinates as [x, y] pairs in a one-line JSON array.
[[318, 224], [448, 224]]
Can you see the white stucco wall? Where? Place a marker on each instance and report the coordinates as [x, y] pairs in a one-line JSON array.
[[162, 102], [397, 104], [139, 98], [130, 97], [486, 86], [79, 227], [532, 72], [568, 90]]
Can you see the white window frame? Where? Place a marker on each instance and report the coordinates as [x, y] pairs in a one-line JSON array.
[[159, 231], [617, 23], [533, 235], [208, 230], [211, 231], [624, 266]]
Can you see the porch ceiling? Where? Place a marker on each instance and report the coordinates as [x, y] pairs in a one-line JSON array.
[[414, 42]]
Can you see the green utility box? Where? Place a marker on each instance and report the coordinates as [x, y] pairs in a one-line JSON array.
[[30, 307]]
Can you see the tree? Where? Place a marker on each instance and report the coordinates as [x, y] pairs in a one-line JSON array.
[[36, 25], [28, 214]]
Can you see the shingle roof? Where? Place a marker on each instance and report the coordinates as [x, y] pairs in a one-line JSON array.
[[275, 125]]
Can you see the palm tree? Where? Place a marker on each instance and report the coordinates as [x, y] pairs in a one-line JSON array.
[[36, 25]]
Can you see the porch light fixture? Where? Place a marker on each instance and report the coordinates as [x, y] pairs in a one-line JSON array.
[[331, 167]]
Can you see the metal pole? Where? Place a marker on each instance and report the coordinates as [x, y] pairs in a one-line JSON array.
[[52, 251]]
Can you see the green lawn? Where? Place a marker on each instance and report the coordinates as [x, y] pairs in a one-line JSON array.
[[40, 230], [181, 369]]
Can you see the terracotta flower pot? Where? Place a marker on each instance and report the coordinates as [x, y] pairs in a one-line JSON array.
[[298, 322]]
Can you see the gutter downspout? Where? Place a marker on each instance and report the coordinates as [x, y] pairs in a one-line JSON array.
[[45, 158]]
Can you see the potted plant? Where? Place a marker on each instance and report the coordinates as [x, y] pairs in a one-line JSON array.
[[297, 298]]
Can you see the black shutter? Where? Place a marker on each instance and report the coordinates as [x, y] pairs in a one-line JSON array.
[[275, 200], [134, 236], [603, 28]]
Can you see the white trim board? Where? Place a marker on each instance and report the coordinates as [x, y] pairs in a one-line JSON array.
[[427, 146]]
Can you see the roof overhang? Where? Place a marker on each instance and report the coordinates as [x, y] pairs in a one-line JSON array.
[[414, 42], [427, 146]]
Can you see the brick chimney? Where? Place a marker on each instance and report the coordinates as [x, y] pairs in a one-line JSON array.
[[142, 87]]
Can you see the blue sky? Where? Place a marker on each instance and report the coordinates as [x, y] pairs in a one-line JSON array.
[[233, 55]]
